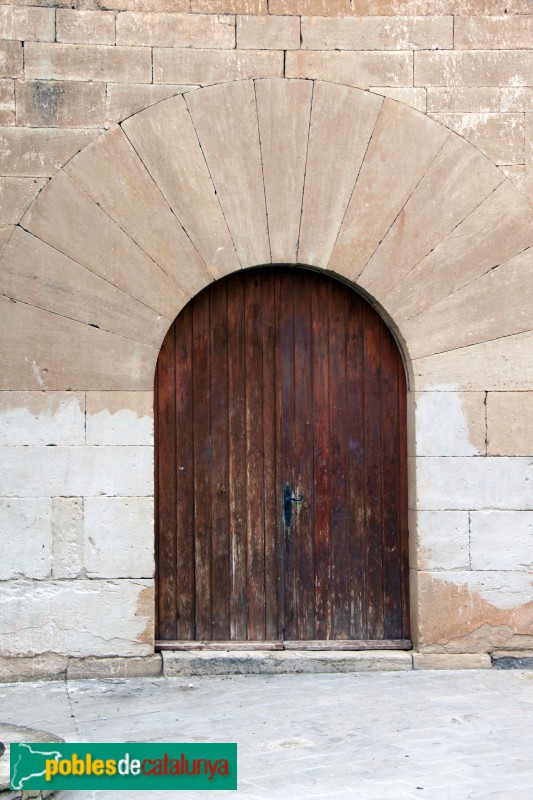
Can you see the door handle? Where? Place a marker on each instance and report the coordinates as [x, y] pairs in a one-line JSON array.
[[288, 500]]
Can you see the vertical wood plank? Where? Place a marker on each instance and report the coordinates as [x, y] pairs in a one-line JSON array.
[[280, 454], [403, 497], [220, 564], [392, 573], [269, 452], [321, 457], [355, 499], [183, 443], [373, 473], [166, 489], [202, 466], [237, 458], [287, 475], [255, 518], [302, 527], [340, 543]]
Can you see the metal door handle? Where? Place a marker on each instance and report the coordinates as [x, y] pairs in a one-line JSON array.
[[288, 500]]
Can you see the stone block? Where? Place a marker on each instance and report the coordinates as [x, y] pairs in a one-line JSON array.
[[102, 246], [283, 106], [325, 8], [451, 661], [342, 123], [504, 364], [229, 6], [120, 418], [377, 33], [439, 540], [25, 538], [148, 5], [254, 662], [39, 152], [505, 32], [47, 666], [16, 194], [510, 423], [225, 119], [482, 68], [362, 69], [85, 26], [118, 537], [10, 59], [67, 537], [496, 304], [450, 423], [501, 540], [175, 30], [522, 178], [499, 136], [105, 668], [60, 104], [501, 659], [528, 156], [79, 471], [123, 100], [474, 7], [268, 33], [112, 174], [77, 618], [416, 98], [473, 483], [465, 99], [215, 66], [517, 98], [68, 355], [39, 418], [185, 182], [27, 24], [35, 273], [88, 62], [473, 612], [7, 96]]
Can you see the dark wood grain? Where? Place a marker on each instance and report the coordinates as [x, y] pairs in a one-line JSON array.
[[274, 377]]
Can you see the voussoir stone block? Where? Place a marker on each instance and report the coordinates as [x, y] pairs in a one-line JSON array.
[[416, 98], [342, 121], [510, 423], [500, 137], [225, 119], [118, 537], [123, 100], [16, 194], [104, 618], [112, 174], [166, 141]]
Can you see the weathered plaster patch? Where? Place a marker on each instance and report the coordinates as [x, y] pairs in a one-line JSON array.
[[450, 423], [145, 610], [120, 418], [42, 418]]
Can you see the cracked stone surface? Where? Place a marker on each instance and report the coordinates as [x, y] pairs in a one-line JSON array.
[[441, 735]]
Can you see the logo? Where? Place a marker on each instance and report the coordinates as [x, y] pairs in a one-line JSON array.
[[124, 766]]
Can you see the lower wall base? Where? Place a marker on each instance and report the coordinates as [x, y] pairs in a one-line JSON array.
[[51, 666]]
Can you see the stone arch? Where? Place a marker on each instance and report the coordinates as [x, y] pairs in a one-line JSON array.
[[275, 171]]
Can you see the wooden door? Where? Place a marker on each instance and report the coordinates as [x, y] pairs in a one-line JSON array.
[[281, 496]]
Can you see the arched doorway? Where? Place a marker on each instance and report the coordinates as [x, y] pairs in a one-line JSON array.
[[281, 500]]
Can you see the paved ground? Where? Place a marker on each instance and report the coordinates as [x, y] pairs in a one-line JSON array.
[[374, 736]]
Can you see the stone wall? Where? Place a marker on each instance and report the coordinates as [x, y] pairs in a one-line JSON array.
[[90, 280]]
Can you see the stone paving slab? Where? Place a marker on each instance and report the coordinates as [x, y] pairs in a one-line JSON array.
[[443, 735]]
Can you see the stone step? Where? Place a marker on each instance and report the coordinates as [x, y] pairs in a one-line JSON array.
[[275, 662]]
